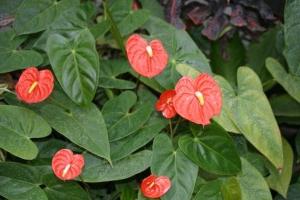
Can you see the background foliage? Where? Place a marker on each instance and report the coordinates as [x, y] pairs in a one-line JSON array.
[[104, 110]]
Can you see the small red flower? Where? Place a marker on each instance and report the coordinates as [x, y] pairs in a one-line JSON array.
[[198, 100], [155, 186], [135, 5], [66, 165], [165, 104], [34, 86], [147, 59]]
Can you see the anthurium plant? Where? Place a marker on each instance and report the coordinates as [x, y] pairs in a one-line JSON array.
[[148, 99]]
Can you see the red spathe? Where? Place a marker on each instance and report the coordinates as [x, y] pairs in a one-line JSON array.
[[165, 104], [66, 165], [34, 86], [198, 100], [155, 186], [147, 59]]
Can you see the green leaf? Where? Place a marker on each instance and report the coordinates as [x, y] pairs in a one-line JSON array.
[[293, 193], [290, 82], [167, 161], [83, 126], [99, 29], [220, 189], [109, 71], [186, 70], [133, 21], [280, 108], [9, 7], [225, 61], [120, 122], [75, 62], [180, 47], [36, 15], [113, 26], [12, 57], [231, 189], [19, 181], [62, 190], [124, 147], [210, 191], [252, 184], [279, 179], [154, 7], [18, 126], [99, 170], [213, 150], [70, 20], [24, 182], [249, 109], [291, 35], [259, 51]]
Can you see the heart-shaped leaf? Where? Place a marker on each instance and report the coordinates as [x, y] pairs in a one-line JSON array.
[[290, 82], [252, 184], [20, 181], [213, 150], [17, 126], [99, 170], [84, 126], [249, 109], [120, 122], [167, 161], [36, 15], [12, 57], [109, 72], [122, 148], [75, 62]]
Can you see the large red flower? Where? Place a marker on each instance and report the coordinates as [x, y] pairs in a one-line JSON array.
[[34, 86], [165, 104], [155, 186], [66, 165], [147, 59], [198, 100]]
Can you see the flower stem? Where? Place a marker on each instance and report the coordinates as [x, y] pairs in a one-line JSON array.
[[171, 128]]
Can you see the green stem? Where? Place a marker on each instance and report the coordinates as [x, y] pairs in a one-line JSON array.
[[176, 125], [171, 128]]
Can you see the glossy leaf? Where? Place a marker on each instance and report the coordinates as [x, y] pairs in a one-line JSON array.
[[227, 189], [12, 57], [293, 193], [167, 161], [133, 21], [290, 82], [291, 34], [110, 70], [213, 150], [263, 131], [36, 15], [83, 126], [19, 181], [279, 179], [75, 62], [154, 7], [186, 70], [120, 122], [99, 170], [17, 126], [124, 147], [252, 184]]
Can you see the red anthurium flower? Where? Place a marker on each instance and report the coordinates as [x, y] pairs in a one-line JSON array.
[[198, 100], [66, 165], [165, 104], [155, 186], [34, 86], [147, 59]]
